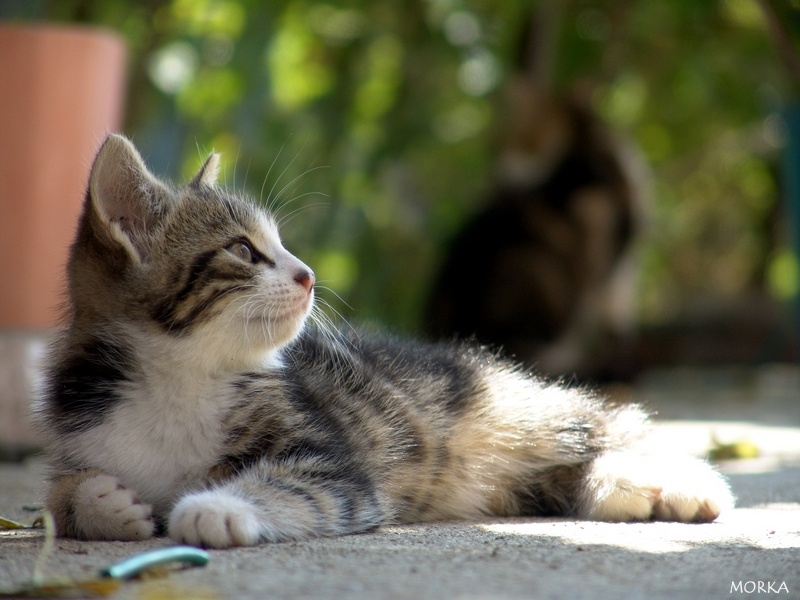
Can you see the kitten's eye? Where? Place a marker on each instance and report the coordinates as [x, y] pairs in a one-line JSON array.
[[242, 250]]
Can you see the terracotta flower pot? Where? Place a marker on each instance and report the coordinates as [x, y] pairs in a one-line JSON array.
[[62, 90]]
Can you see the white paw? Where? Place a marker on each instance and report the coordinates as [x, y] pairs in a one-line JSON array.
[[105, 510], [214, 519], [693, 493], [617, 490], [630, 487]]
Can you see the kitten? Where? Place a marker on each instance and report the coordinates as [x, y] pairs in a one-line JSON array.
[[186, 395]]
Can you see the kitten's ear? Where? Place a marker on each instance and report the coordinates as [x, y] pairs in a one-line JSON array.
[[207, 175], [126, 197]]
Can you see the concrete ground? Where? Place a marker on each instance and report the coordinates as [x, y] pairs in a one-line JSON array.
[[753, 550]]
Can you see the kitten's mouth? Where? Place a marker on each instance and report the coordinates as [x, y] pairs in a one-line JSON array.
[[296, 312]]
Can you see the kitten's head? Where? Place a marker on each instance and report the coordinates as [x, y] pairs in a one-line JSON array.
[[194, 269]]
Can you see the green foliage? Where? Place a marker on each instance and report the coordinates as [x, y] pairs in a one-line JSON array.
[[378, 122]]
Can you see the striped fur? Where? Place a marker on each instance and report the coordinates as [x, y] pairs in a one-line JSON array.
[[187, 395]]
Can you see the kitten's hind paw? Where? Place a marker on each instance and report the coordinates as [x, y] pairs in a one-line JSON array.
[[699, 495], [631, 487], [214, 519], [105, 510]]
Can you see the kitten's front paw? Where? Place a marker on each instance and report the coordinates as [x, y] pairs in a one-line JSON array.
[[631, 487], [214, 519], [105, 510]]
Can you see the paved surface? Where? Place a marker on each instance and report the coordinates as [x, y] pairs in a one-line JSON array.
[[754, 548]]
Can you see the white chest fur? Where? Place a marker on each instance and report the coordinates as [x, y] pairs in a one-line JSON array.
[[161, 437]]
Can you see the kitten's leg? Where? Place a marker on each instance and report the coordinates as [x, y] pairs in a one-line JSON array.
[[626, 486], [275, 503], [91, 505], [622, 483]]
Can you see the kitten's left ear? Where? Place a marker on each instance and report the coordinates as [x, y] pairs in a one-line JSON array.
[[126, 197], [207, 175]]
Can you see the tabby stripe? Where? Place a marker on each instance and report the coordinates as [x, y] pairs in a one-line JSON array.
[[347, 507], [198, 267], [165, 313], [201, 275], [309, 498], [354, 499], [181, 326], [359, 504]]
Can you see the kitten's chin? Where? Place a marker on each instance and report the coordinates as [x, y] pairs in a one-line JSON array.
[[252, 343], [277, 334]]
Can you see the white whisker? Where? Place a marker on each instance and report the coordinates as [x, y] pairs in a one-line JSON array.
[[325, 320], [332, 291], [283, 190], [269, 171], [284, 219], [270, 199], [236, 164], [246, 173]]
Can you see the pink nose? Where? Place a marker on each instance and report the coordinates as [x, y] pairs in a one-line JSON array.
[[305, 278]]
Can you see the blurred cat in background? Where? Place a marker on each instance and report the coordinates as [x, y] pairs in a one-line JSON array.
[[545, 269]]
